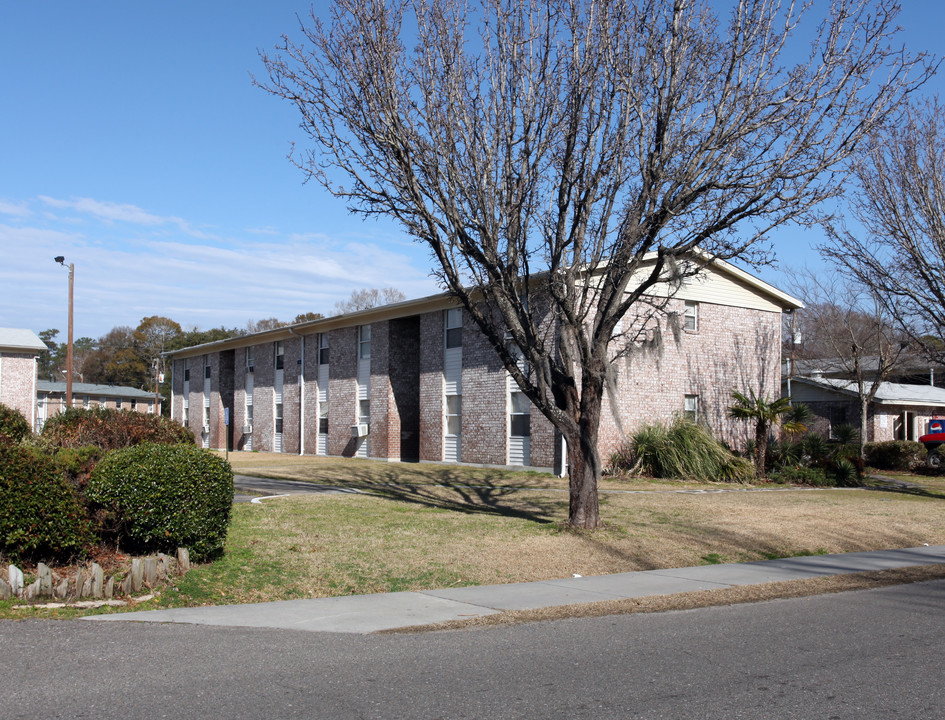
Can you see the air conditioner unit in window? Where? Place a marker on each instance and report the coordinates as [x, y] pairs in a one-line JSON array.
[[251, 369], [206, 428], [359, 430], [247, 429]]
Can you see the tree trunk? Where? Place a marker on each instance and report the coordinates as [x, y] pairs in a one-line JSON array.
[[761, 448], [583, 475], [864, 424], [584, 469]]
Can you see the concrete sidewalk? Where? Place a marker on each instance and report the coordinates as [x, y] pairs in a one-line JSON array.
[[370, 613]]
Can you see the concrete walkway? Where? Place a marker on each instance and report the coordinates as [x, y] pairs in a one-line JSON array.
[[370, 613]]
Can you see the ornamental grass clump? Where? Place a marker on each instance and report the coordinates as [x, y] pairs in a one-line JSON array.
[[683, 449], [154, 497]]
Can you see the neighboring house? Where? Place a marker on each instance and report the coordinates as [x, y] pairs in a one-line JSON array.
[[51, 399], [909, 369], [417, 381], [19, 350], [899, 411]]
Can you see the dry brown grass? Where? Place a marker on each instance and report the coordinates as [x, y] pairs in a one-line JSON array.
[[426, 526]]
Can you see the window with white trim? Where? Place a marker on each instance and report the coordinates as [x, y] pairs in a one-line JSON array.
[[691, 316], [454, 328], [691, 408], [520, 415]]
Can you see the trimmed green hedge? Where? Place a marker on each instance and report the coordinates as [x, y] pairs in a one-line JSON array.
[[13, 426], [161, 497], [41, 517], [112, 429], [895, 454]]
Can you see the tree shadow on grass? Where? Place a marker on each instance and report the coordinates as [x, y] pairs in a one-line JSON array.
[[455, 492], [907, 489]]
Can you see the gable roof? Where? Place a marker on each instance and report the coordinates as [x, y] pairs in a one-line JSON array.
[[20, 340], [888, 393], [94, 389]]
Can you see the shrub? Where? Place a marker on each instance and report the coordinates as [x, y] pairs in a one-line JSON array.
[[13, 426], [41, 518], [800, 475], [77, 464], [895, 454], [161, 497], [112, 429], [682, 450]]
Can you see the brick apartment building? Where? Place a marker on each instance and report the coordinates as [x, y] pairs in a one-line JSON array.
[[19, 350], [51, 399], [417, 381]]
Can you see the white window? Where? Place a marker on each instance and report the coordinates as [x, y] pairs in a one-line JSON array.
[[323, 349], [520, 415], [454, 328], [250, 361], [454, 414], [691, 408], [280, 355], [118, 403], [364, 342], [691, 316], [86, 402], [520, 428]]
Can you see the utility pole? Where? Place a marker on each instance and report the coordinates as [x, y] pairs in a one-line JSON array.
[[62, 261]]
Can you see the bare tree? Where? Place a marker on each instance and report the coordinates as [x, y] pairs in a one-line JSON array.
[[255, 326], [565, 165], [846, 325], [899, 253], [367, 298]]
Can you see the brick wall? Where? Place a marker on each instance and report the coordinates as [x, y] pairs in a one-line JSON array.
[[342, 391], [404, 354], [485, 400], [431, 385], [384, 434], [734, 348], [18, 383]]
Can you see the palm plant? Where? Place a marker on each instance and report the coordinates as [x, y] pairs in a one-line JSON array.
[[764, 413]]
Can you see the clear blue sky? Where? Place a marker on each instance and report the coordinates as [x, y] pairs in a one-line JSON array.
[[133, 143]]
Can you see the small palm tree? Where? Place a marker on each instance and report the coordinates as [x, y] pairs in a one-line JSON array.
[[764, 413]]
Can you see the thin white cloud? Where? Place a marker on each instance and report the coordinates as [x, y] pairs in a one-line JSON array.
[[122, 277], [16, 209], [119, 212]]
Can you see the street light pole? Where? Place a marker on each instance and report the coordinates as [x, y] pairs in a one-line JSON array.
[[62, 261]]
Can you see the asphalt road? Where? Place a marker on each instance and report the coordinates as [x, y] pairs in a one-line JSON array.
[[864, 655]]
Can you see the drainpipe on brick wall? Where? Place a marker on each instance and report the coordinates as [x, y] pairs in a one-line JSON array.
[[301, 393]]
